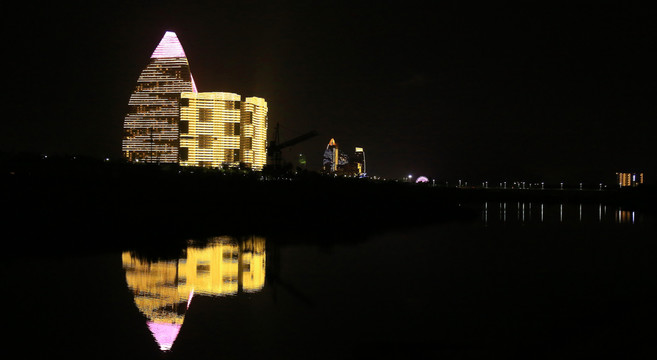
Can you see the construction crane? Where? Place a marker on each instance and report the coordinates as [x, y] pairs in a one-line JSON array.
[[275, 146]]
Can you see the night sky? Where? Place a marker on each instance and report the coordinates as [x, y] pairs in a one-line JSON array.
[[550, 91]]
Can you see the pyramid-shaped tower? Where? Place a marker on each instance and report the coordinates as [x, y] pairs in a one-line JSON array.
[[151, 127]]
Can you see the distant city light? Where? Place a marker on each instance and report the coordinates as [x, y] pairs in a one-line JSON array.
[[629, 179], [421, 179]]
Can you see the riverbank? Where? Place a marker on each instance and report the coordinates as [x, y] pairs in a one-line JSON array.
[[116, 205]]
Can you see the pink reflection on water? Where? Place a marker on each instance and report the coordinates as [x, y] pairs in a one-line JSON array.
[[165, 334], [189, 300]]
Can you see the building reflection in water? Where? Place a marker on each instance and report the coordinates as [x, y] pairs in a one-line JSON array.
[[625, 217], [163, 289]]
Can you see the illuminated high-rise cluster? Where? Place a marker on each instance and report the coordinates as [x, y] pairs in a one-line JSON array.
[[169, 121], [629, 179], [339, 163]]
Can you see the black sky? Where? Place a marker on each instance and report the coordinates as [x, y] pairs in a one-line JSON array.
[[548, 91]]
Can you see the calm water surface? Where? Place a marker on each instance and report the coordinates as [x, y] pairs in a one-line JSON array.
[[541, 281]]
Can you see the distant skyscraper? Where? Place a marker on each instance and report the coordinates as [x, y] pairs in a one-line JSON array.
[[629, 179], [340, 163], [217, 129], [359, 158], [151, 132], [330, 161]]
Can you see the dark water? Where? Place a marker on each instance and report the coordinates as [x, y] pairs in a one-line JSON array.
[[524, 279]]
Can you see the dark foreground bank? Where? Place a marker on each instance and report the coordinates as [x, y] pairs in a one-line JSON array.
[[95, 203]]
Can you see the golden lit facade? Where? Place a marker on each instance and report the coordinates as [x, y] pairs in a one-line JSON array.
[[151, 125], [163, 290], [218, 129], [629, 179], [253, 141]]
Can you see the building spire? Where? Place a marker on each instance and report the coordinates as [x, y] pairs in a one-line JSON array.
[[169, 47]]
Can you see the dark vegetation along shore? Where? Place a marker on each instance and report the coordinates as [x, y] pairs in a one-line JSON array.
[[87, 203]]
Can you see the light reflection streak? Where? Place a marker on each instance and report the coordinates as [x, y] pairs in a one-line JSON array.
[[565, 213], [625, 216], [529, 214], [504, 212], [600, 213]]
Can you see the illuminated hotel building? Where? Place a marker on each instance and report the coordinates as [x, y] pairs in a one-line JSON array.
[[169, 121], [253, 143], [151, 126], [217, 129], [629, 179], [163, 290]]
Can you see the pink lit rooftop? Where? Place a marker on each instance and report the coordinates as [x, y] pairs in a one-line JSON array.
[[169, 47]]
